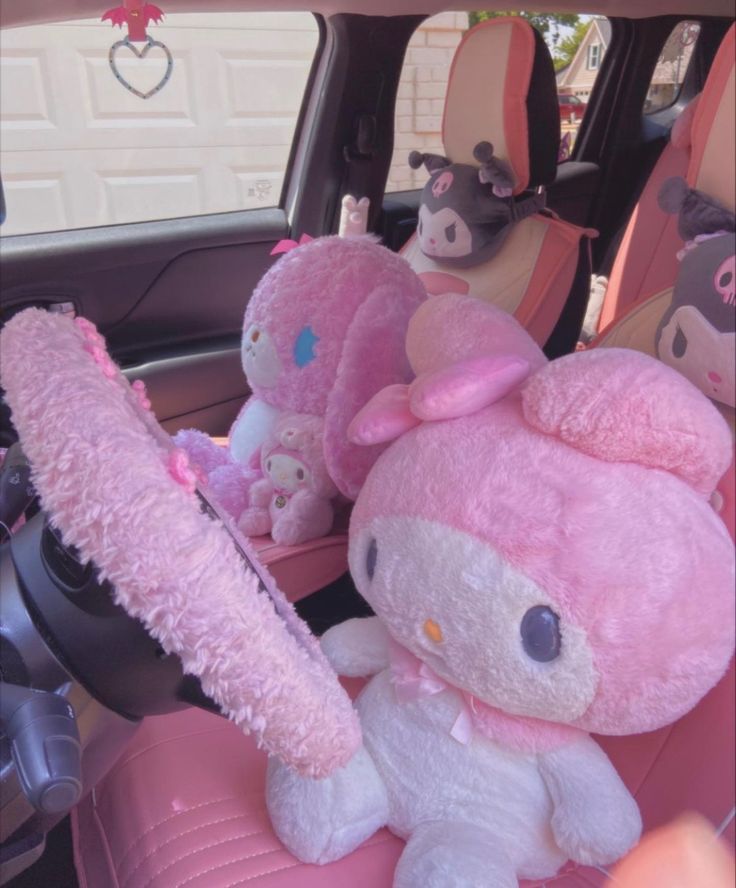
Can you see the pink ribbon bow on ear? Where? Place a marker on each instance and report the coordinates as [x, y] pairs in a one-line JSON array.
[[458, 390], [286, 245]]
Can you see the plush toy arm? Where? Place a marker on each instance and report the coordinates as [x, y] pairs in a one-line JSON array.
[[358, 647], [308, 516], [260, 493], [595, 820]]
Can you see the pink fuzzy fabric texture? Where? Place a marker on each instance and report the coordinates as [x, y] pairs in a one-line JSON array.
[[452, 328], [626, 407], [322, 285], [631, 553], [356, 298], [230, 485], [201, 449], [102, 467]]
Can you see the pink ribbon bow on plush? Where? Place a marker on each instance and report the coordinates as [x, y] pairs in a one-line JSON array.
[[447, 393], [286, 245], [413, 679]]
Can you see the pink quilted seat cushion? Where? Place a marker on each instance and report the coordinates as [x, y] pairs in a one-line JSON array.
[[303, 569], [185, 807]]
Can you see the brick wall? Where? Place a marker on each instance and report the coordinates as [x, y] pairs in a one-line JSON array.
[[421, 95]]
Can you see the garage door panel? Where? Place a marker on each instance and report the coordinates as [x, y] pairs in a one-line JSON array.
[[216, 138]]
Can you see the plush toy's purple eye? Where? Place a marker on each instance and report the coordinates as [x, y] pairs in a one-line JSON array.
[[371, 557], [300, 474], [268, 466], [540, 633], [451, 233], [419, 226]]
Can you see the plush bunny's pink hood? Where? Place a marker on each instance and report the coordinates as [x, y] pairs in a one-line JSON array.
[[592, 479]]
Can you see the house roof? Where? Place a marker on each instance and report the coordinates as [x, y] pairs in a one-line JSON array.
[[598, 32]]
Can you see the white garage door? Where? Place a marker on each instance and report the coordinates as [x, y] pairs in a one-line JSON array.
[[79, 150]]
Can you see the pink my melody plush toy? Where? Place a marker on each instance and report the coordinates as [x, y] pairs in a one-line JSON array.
[[323, 332], [293, 500], [543, 562]]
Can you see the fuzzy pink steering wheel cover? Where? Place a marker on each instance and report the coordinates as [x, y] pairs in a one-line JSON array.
[[103, 468]]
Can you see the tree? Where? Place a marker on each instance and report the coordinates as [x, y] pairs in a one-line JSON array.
[[547, 23], [568, 46]]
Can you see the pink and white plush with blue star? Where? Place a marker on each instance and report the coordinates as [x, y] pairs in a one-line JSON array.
[[323, 332]]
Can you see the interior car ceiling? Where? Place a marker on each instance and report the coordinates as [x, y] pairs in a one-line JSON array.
[[169, 295]]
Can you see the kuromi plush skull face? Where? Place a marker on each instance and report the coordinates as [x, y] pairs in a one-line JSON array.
[[697, 335], [552, 551], [466, 211]]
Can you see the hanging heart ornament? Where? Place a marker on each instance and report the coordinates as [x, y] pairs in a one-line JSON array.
[[150, 44]]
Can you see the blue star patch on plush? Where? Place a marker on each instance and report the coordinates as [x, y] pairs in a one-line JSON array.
[[304, 347]]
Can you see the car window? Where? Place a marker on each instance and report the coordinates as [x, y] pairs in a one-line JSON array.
[[426, 70], [672, 64], [80, 149], [578, 55]]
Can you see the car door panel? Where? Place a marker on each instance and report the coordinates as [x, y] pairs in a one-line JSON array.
[[181, 389], [169, 297]]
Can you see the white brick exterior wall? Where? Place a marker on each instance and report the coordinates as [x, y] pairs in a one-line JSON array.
[[421, 95]]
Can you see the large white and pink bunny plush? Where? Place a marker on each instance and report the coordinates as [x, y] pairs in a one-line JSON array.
[[294, 499], [543, 561], [323, 332]]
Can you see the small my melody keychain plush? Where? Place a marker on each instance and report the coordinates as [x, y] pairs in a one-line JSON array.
[[539, 550], [293, 500]]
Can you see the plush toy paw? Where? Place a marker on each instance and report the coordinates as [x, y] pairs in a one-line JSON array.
[[254, 522], [260, 493], [454, 855], [201, 449], [323, 820], [601, 839], [290, 532], [230, 484]]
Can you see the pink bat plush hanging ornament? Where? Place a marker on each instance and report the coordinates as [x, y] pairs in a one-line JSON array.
[[323, 332], [539, 549], [135, 15]]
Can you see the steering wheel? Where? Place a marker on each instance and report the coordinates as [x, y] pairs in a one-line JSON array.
[[115, 487]]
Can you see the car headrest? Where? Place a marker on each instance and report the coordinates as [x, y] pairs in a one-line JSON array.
[[712, 168], [502, 89]]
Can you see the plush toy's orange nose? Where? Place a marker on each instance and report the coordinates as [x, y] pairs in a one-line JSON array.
[[433, 631]]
